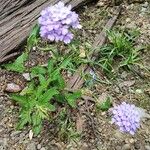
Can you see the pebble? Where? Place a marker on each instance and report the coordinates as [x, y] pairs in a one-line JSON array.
[[143, 9], [42, 148], [26, 76], [147, 147], [39, 146], [15, 133], [128, 20], [31, 146], [126, 147], [3, 142], [13, 88], [145, 4], [131, 141]]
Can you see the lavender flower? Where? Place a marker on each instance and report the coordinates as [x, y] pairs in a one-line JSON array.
[[56, 21], [127, 117]]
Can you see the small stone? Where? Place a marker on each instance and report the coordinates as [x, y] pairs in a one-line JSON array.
[[31, 146], [13, 88], [126, 147], [145, 4], [131, 141], [15, 133], [3, 142], [39, 146], [26, 76], [42, 148], [100, 4], [147, 147], [128, 20], [139, 91], [143, 9]]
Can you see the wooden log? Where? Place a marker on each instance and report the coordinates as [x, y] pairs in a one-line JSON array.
[[76, 81], [17, 18]]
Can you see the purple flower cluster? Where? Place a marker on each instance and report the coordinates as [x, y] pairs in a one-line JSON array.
[[56, 21], [126, 117]]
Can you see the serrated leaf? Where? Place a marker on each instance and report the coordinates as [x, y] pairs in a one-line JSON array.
[[22, 100], [25, 117], [50, 66], [48, 95], [71, 98], [36, 119], [21, 59], [27, 90], [65, 63], [39, 91], [38, 70], [61, 82], [18, 65], [43, 81], [55, 75]]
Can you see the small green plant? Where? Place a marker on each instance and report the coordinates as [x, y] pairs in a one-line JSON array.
[[105, 105], [119, 52], [47, 87]]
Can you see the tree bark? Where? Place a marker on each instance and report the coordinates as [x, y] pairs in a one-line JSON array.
[[17, 18]]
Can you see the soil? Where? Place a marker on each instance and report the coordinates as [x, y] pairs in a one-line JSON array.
[[97, 132]]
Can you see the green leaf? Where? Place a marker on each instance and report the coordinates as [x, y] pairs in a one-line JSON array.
[[71, 98], [51, 107], [60, 98], [22, 100], [22, 58], [61, 82], [36, 119], [50, 66], [55, 75], [106, 104], [65, 63], [38, 70], [18, 65], [37, 129], [39, 91], [25, 117], [32, 39], [48, 95], [28, 90], [43, 81]]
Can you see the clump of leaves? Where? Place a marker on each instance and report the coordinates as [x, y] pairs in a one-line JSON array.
[[119, 51], [46, 89]]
